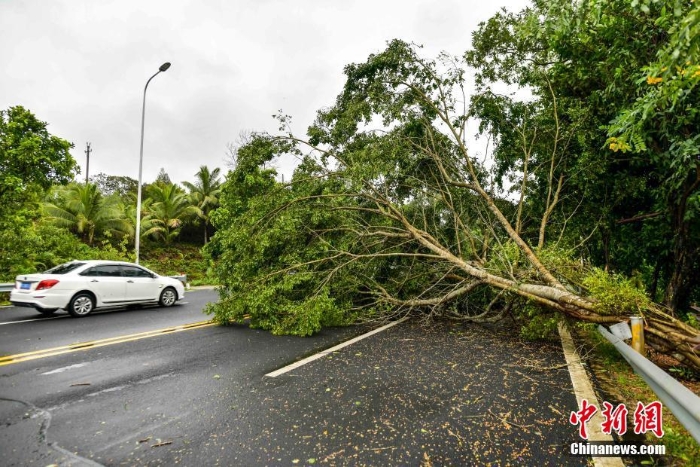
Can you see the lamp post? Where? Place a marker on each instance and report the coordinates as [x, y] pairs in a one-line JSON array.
[[137, 240]]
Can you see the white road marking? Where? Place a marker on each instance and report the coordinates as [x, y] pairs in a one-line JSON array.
[[98, 311], [65, 368], [584, 390], [310, 359], [35, 319], [104, 391]]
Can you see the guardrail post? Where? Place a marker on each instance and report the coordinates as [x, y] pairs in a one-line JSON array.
[[637, 325]]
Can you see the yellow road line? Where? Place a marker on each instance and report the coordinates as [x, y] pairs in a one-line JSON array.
[[23, 357]]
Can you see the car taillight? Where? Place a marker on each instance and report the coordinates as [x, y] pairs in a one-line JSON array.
[[46, 284]]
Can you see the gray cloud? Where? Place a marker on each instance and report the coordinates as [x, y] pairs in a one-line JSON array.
[[81, 65]]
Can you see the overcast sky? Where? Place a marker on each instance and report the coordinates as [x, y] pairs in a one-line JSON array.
[[81, 66]]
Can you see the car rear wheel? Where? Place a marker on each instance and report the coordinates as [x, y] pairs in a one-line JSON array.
[[46, 311], [168, 297], [81, 305]]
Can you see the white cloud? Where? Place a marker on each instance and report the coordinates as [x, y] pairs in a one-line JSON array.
[[81, 65]]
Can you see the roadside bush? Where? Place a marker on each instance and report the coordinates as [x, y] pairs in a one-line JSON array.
[[32, 248], [615, 294], [538, 324], [176, 259], [38, 247]]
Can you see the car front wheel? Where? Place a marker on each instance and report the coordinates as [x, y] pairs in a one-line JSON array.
[[81, 305], [168, 297]]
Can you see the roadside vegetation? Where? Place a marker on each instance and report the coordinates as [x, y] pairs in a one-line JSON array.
[[46, 217], [616, 379]]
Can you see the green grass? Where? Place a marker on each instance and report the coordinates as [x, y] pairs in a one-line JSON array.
[[619, 381], [177, 259]]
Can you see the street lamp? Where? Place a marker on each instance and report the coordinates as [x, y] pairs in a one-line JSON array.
[[162, 68]]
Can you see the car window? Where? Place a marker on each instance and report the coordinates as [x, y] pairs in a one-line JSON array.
[[103, 271], [64, 268], [134, 271]]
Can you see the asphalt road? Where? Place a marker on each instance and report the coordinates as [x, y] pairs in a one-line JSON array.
[[23, 329], [411, 395]]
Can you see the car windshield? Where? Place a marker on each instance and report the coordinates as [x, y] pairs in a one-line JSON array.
[[64, 268]]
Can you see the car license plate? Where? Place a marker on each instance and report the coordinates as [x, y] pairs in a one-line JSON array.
[[25, 285]]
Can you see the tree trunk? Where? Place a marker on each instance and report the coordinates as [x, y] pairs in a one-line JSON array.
[[654, 287], [678, 286], [606, 250]]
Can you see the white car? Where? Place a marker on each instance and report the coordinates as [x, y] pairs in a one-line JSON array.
[[79, 287]]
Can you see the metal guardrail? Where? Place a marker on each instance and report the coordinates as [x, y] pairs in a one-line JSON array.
[[182, 278], [684, 404]]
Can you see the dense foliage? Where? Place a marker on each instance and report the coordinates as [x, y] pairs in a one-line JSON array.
[[31, 159], [270, 261], [608, 144]]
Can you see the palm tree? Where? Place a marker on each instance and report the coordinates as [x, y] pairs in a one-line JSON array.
[[128, 208], [205, 194], [169, 209], [83, 209]]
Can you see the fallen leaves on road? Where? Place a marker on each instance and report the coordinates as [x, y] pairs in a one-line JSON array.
[[445, 394], [160, 443]]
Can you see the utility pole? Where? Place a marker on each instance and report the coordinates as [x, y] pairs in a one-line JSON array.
[[87, 165]]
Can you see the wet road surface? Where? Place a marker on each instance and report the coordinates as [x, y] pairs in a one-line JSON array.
[[445, 394]]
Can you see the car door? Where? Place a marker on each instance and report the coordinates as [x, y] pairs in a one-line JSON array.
[[140, 284], [106, 282]]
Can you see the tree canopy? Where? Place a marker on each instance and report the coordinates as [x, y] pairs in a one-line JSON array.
[[81, 208], [124, 187], [30, 157], [204, 193]]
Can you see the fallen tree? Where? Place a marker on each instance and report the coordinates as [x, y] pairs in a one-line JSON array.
[[389, 212]]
